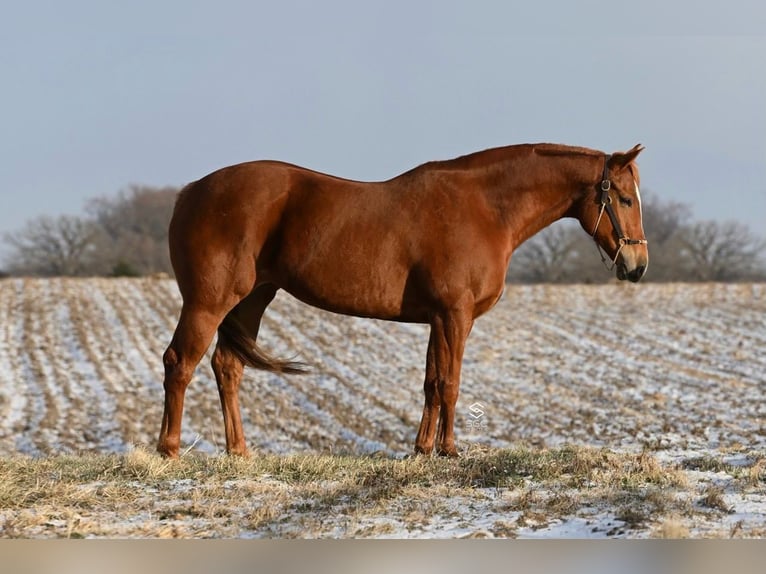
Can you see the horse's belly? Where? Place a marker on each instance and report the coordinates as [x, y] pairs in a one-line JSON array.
[[352, 294]]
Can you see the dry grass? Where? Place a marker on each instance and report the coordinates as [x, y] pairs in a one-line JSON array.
[[712, 497], [140, 494], [550, 364]]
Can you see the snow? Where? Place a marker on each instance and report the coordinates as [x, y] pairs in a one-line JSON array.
[[676, 369]]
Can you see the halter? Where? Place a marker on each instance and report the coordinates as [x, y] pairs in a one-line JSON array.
[[606, 204]]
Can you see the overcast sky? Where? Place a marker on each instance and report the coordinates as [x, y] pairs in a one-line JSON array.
[[95, 96]]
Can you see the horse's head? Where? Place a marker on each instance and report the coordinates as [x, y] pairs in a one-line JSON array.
[[611, 213]]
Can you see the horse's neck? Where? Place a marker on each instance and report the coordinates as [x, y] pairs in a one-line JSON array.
[[528, 208], [546, 210]]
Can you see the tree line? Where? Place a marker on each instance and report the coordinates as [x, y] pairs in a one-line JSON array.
[[680, 249], [126, 235]]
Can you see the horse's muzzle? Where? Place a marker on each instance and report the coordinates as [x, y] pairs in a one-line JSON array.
[[634, 275]]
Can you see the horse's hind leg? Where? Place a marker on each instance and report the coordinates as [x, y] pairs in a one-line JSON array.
[[193, 335], [228, 365]]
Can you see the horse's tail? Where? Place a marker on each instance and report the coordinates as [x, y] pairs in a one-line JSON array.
[[233, 335]]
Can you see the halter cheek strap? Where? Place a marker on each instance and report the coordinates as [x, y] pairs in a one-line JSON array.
[[606, 205]]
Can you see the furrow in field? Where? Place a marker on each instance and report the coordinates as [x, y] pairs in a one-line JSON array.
[[368, 364], [50, 411], [524, 367], [163, 297], [549, 407], [93, 406], [156, 326], [669, 366], [143, 339], [326, 389], [14, 373], [278, 417], [132, 380], [124, 326], [598, 339], [99, 358], [573, 325], [698, 361], [275, 418], [737, 350], [739, 322], [641, 345], [386, 361], [503, 370]]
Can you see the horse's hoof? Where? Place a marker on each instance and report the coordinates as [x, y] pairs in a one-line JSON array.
[[448, 452], [238, 451], [167, 452]]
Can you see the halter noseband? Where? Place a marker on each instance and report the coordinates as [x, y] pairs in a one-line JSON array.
[[606, 204]]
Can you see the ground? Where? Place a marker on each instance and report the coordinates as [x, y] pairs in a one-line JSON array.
[[662, 381]]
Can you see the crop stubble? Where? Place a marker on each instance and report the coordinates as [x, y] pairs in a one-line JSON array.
[[669, 367], [675, 370]]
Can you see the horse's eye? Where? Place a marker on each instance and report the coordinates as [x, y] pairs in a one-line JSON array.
[[626, 201]]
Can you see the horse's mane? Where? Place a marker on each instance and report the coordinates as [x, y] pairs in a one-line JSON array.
[[560, 149], [501, 154]]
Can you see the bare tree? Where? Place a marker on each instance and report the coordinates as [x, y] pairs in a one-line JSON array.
[[728, 251], [664, 222], [663, 219], [547, 257], [135, 229], [124, 235], [49, 246]]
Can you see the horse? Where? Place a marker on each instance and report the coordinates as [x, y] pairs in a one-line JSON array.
[[429, 246]]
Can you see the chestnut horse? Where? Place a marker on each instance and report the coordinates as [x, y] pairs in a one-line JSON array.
[[429, 246]]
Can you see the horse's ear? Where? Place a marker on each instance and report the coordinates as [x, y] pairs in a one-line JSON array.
[[621, 159]]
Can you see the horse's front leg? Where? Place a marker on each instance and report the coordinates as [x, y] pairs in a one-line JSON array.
[[449, 331], [424, 443]]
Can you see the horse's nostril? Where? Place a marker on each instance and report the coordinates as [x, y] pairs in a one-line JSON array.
[[637, 273]]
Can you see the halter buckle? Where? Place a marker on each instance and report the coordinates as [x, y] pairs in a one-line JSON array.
[[606, 185]]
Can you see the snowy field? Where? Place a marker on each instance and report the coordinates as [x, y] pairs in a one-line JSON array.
[[676, 370]]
